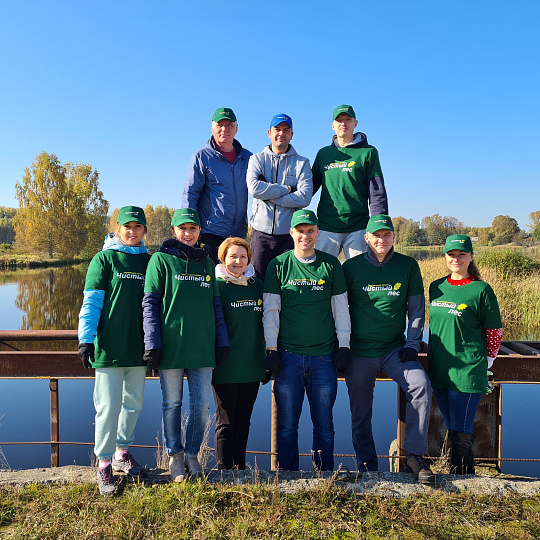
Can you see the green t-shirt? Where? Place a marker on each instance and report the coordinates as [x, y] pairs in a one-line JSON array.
[[188, 328], [457, 350], [306, 323], [243, 311], [345, 173], [378, 302], [119, 340]]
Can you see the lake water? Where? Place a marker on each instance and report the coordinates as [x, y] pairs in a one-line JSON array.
[[51, 298]]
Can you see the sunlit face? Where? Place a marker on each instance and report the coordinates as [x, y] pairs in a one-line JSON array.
[[236, 260], [280, 135], [131, 233], [380, 241], [224, 132], [304, 237], [187, 233], [344, 125], [458, 261]]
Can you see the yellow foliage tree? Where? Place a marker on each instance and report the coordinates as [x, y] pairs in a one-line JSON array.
[[61, 210]]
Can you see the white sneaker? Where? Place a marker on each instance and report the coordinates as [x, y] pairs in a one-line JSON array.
[[178, 466], [193, 466]]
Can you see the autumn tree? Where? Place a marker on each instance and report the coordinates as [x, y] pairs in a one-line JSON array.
[[536, 233], [61, 210], [399, 226], [158, 220], [504, 228], [7, 232], [534, 221]]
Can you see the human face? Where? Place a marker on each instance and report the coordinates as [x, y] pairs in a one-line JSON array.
[[457, 262], [187, 233], [224, 132], [131, 233], [304, 237], [236, 260], [380, 242], [344, 126], [280, 135]]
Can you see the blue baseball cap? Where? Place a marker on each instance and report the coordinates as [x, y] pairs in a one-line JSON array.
[[281, 118]]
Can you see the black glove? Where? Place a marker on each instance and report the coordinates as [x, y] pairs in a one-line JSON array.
[[273, 362], [292, 188], [261, 178], [267, 377], [342, 359], [222, 353], [407, 355], [152, 358], [86, 353]]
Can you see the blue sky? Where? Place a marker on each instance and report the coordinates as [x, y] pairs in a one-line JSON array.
[[448, 92]]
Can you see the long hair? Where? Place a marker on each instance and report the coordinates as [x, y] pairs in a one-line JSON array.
[[473, 270]]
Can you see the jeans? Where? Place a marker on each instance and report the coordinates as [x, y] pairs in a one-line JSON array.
[[352, 243], [458, 408], [172, 387], [360, 378], [317, 377], [234, 405], [118, 399]]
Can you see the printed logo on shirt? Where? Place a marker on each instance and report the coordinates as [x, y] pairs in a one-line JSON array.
[[453, 308], [130, 275], [343, 165], [255, 304], [316, 285], [204, 281], [393, 290]]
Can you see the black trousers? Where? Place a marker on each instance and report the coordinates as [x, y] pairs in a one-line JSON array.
[[234, 405], [265, 247], [214, 241]]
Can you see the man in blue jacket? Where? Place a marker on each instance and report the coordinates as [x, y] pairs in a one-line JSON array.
[[216, 183], [280, 183]]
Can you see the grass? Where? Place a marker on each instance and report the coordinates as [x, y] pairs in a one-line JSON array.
[[518, 296], [217, 511]]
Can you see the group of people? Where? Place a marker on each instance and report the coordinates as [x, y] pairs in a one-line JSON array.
[[229, 315]]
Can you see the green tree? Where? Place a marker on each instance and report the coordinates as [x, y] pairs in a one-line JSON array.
[[536, 233], [7, 232], [411, 233], [434, 229], [504, 229], [399, 223], [61, 211]]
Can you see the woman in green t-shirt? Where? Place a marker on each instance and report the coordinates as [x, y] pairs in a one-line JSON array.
[[464, 338], [184, 334], [110, 340], [235, 382]]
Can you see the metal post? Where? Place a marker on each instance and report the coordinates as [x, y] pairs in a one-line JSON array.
[[401, 414], [273, 436], [55, 426]]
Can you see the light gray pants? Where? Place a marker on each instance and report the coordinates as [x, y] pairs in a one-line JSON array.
[[360, 377], [352, 243]]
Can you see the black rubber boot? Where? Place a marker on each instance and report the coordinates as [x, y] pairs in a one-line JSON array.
[[461, 454]]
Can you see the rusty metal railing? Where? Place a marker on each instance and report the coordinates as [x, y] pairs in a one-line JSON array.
[[518, 362]]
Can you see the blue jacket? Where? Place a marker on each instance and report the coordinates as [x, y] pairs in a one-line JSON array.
[[217, 189]]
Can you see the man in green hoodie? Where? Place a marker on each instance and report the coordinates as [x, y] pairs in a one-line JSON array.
[[350, 175]]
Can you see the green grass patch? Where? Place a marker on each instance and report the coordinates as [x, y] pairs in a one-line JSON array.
[[217, 511]]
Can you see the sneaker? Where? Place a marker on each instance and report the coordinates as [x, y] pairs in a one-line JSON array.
[[193, 466], [106, 481], [128, 465], [418, 466], [177, 466]]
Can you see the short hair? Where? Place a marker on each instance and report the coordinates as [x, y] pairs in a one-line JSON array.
[[233, 241]]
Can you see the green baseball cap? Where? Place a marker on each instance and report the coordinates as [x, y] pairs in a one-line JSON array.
[[378, 222], [458, 241], [131, 213], [304, 216], [185, 215], [347, 109], [224, 114]]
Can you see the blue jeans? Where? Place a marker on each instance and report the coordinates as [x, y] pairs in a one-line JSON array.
[[360, 377], [172, 387], [458, 408], [317, 377]]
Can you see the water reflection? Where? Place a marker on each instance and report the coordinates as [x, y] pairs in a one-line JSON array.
[[51, 299]]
